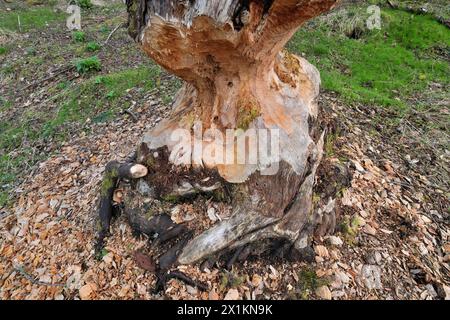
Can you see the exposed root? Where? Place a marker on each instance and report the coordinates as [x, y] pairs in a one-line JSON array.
[[113, 172], [234, 257], [163, 278], [169, 259], [223, 235], [160, 227]]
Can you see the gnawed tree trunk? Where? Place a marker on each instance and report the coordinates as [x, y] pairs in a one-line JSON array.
[[237, 76]]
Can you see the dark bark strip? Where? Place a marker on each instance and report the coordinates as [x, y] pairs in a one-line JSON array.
[[113, 172]]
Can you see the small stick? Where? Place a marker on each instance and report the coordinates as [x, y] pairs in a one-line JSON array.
[[112, 32], [20, 25], [186, 279], [164, 278]]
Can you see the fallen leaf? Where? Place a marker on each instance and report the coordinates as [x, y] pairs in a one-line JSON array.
[[324, 293], [144, 261], [86, 291], [213, 295], [232, 294], [321, 251], [256, 280]]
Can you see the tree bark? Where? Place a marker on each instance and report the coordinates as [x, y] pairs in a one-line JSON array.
[[237, 76]]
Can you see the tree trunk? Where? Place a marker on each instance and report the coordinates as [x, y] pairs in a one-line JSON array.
[[238, 80]]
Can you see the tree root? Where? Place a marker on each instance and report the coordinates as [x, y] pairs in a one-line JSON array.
[[160, 227], [244, 233], [163, 278], [113, 172]]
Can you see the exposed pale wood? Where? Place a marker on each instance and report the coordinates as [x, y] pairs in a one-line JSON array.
[[237, 76]]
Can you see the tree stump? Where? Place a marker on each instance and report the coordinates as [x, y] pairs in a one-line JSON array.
[[245, 123]]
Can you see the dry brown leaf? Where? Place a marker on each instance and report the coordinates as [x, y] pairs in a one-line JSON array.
[[321, 251], [232, 294], [144, 261], [324, 293]]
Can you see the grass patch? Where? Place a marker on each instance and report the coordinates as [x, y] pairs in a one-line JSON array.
[[384, 67], [78, 36], [30, 51], [92, 99], [92, 46], [349, 229], [29, 19], [85, 4], [88, 64], [230, 280], [308, 282], [329, 145], [3, 50], [76, 104]]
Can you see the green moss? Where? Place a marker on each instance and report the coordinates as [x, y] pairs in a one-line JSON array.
[[98, 225], [316, 198], [248, 110], [230, 280], [170, 198], [150, 161], [349, 229], [308, 282], [132, 12], [220, 195], [108, 182]]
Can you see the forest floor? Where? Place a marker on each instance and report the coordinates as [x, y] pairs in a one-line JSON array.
[[72, 101]]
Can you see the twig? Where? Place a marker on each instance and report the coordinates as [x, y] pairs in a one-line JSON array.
[[112, 32], [392, 5], [33, 280], [186, 279], [20, 25], [162, 280]]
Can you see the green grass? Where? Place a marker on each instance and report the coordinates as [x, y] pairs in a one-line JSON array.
[[93, 99], [93, 46], [308, 282], [85, 4], [438, 8], [77, 102], [88, 64], [384, 67], [3, 50], [29, 19], [78, 36]]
